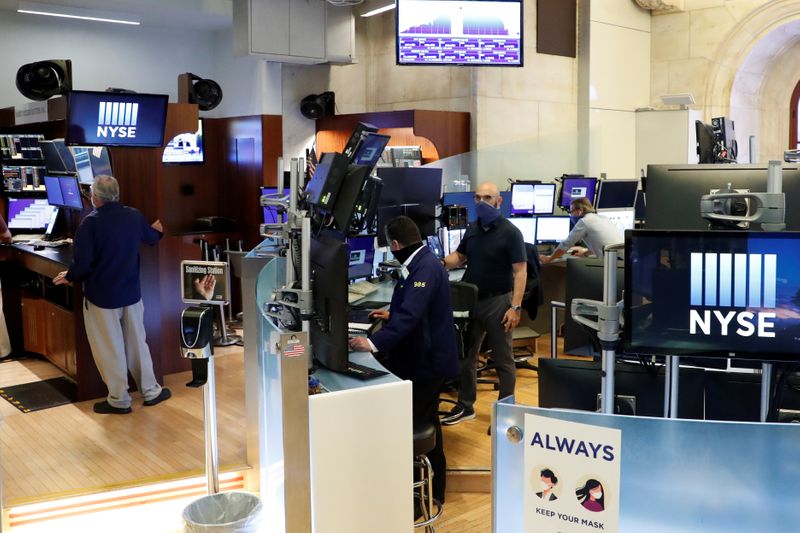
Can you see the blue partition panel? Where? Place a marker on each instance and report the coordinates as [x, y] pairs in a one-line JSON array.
[[676, 475]]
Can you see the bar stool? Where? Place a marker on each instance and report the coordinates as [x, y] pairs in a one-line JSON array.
[[424, 442]]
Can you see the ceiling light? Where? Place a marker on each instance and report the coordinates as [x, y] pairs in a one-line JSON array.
[[74, 13], [379, 10]]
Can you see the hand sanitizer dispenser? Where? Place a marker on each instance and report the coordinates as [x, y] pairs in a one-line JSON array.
[[197, 326]]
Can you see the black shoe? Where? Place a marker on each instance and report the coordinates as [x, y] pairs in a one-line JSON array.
[[165, 394], [489, 431], [105, 408], [457, 414]]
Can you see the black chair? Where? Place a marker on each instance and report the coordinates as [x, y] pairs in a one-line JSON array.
[[463, 299]]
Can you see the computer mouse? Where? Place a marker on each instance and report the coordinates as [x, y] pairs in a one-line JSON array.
[[38, 247]]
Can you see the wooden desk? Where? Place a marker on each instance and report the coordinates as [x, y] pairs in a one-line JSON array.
[[46, 319]]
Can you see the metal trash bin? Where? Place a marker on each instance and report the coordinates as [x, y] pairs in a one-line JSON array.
[[228, 512]]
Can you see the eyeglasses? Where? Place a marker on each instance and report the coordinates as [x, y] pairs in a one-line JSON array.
[[484, 197]]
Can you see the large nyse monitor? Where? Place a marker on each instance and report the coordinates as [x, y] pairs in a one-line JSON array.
[[532, 198], [115, 119], [713, 293], [456, 32]]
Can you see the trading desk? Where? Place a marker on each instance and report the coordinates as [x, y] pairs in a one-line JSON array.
[[46, 319]]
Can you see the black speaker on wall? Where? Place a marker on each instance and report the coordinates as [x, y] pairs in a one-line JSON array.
[[43, 79], [206, 93], [315, 106]]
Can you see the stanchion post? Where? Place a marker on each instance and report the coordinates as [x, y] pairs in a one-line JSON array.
[[766, 386], [210, 420]]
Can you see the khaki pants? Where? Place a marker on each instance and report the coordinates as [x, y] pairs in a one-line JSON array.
[[117, 339]]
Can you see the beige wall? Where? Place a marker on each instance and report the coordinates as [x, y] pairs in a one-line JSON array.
[[738, 59]]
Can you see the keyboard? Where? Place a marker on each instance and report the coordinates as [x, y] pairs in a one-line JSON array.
[[354, 370], [25, 238], [49, 244], [360, 289]]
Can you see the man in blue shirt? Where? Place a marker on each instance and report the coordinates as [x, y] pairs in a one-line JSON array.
[[419, 335], [106, 261]]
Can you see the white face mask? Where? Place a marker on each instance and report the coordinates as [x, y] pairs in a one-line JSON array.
[[545, 485], [596, 494]]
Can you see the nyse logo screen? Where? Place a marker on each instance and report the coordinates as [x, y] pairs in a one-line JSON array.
[[736, 287], [713, 293], [96, 118]]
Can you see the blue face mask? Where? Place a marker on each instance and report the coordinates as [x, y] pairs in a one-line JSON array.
[[574, 219], [486, 213]]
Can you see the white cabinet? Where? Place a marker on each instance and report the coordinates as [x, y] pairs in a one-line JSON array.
[[665, 137], [292, 31]]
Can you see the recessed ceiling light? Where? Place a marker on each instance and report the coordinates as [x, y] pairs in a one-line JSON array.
[[379, 10]]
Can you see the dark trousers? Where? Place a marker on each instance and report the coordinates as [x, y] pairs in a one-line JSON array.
[[425, 407], [487, 320]]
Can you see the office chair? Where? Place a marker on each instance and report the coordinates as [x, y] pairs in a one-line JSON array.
[[463, 299]]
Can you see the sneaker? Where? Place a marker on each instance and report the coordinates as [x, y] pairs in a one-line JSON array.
[[165, 394], [105, 408], [458, 414]]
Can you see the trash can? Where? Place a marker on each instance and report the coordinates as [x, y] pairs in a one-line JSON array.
[[228, 512]]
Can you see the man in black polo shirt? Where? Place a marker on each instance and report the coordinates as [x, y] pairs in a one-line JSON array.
[[494, 251], [106, 260]]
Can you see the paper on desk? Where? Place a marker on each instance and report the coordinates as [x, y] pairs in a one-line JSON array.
[[358, 326]]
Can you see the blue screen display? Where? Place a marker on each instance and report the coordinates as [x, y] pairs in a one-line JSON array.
[[70, 192], [713, 293], [53, 189], [370, 150], [577, 188], [115, 119], [467, 199]]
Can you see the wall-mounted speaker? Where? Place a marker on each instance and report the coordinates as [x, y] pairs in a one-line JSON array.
[[315, 106], [44, 79]]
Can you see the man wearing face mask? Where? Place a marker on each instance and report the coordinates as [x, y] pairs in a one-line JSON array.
[[494, 252], [418, 338], [594, 230], [106, 261]]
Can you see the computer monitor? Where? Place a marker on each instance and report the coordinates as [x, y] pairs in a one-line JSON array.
[[323, 188], [358, 134], [185, 148], [712, 293], [577, 187], [362, 255], [532, 198], [30, 215], [467, 199], [370, 150], [551, 229], [624, 219], [83, 164], [435, 245], [706, 143], [57, 157], [329, 258], [63, 191], [615, 194], [451, 238], [115, 119], [674, 191], [526, 226], [639, 390], [347, 201]]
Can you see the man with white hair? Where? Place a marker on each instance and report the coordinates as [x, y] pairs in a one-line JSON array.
[[106, 261]]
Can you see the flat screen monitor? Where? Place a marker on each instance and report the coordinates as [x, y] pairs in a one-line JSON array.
[[410, 185], [359, 132], [115, 119], [641, 205], [615, 194], [185, 148], [577, 187], [455, 32], [713, 293], [467, 199], [532, 198], [63, 191], [451, 238], [58, 159], [30, 214], [323, 188], [674, 191], [624, 219], [370, 150], [329, 260], [362, 255], [706, 143], [551, 229], [526, 226], [435, 245], [347, 201]]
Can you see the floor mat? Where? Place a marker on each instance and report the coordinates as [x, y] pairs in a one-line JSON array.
[[29, 397]]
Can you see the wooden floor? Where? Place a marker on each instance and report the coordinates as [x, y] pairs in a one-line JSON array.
[[70, 450]]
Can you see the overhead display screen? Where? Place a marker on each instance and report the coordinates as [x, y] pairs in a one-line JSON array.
[[459, 32], [115, 119]]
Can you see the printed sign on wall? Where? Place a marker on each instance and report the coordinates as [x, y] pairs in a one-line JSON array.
[[572, 476]]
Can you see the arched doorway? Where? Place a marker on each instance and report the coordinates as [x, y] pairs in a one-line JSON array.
[[794, 118]]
